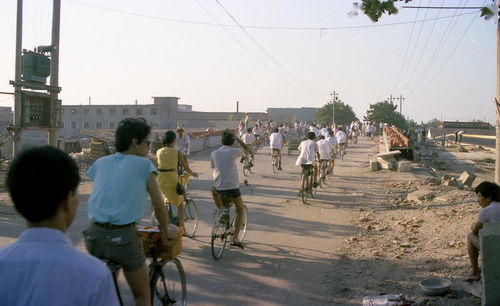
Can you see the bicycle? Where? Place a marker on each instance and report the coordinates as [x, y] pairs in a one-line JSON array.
[[190, 210], [275, 160], [223, 228], [307, 179], [167, 279], [247, 165], [341, 150]]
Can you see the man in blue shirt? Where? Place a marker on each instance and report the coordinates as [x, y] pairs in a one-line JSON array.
[[42, 267]]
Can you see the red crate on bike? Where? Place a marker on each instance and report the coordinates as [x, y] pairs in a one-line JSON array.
[[151, 243]]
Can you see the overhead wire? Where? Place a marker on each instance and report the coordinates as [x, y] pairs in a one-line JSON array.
[[407, 48], [425, 45], [450, 55], [245, 47], [259, 27], [439, 47], [273, 59]]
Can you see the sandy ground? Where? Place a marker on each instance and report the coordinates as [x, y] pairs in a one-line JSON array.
[[359, 237]]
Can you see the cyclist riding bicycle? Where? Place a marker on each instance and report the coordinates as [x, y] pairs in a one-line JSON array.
[[326, 150], [341, 140], [308, 153], [121, 185], [276, 143], [226, 181], [331, 138], [257, 131], [249, 139], [167, 179]]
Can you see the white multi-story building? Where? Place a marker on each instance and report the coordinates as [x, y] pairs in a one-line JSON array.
[[162, 114]]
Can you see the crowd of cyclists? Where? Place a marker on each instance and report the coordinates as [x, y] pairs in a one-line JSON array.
[[122, 183]]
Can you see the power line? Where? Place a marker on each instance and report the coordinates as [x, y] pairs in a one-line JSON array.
[[260, 46], [245, 47], [407, 48], [437, 50], [451, 54], [377, 25]]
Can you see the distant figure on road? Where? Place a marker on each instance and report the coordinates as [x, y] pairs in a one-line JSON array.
[[488, 197], [43, 267], [183, 142], [460, 134]]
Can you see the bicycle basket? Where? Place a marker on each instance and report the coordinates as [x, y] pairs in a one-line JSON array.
[[151, 243]]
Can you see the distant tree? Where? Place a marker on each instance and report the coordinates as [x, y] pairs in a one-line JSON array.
[[433, 123], [343, 113], [385, 111]]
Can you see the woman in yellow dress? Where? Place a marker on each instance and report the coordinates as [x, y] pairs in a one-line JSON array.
[[167, 179]]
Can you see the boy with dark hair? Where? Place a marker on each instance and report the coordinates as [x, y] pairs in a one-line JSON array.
[[42, 267], [121, 185], [488, 197], [226, 182]]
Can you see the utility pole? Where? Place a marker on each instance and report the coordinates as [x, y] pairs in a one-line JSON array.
[[54, 65], [335, 96], [497, 144], [401, 99], [390, 99], [16, 129], [237, 106]]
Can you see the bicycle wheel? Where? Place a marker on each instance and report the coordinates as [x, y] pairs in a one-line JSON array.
[[275, 164], [246, 171], [243, 229], [218, 240], [169, 284], [190, 218]]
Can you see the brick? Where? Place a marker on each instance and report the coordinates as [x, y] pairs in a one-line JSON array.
[[404, 166], [467, 178], [420, 195], [490, 258]]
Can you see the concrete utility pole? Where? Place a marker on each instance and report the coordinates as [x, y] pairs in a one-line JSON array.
[[54, 64], [16, 130], [401, 99], [335, 96], [390, 99], [237, 106], [497, 106]]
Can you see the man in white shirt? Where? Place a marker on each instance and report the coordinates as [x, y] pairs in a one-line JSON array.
[[43, 267], [226, 182], [249, 139], [331, 138], [308, 152], [341, 140], [315, 130], [276, 143], [324, 131], [183, 142]]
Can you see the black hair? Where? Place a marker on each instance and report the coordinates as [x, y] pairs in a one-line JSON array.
[[276, 130], [227, 138], [321, 137], [128, 129], [38, 180], [249, 130], [340, 128], [488, 190], [311, 135], [169, 137]]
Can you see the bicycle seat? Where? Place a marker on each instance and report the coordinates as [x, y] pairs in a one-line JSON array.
[[112, 265]]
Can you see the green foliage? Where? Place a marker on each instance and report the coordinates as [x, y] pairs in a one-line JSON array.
[[434, 123], [343, 113], [376, 8], [386, 112]]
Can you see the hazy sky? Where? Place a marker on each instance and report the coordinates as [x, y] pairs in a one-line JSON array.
[[117, 51]]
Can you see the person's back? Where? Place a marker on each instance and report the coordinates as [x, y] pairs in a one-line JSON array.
[[341, 137], [308, 149], [325, 148], [42, 267], [275, 140]]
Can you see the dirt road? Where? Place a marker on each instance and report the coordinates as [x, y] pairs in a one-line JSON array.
[[296, 254]]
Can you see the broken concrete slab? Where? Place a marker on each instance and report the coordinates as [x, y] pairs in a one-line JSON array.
[[404, 166], [388, 155], [467, 178], [388, 165], [374, 165], [420, 195], [490, 259]]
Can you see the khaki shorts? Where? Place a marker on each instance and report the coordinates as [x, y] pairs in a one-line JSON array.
[[121, 245]]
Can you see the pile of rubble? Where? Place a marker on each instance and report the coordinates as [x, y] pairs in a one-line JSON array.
[[387, 161]]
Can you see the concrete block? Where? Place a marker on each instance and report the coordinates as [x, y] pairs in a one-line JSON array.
[[467, 178], [196, 145], [388, 165], [489, 238], [389, 154], [386, 160], [404, 166], [420, 195], [374, 165], [214, 141]]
